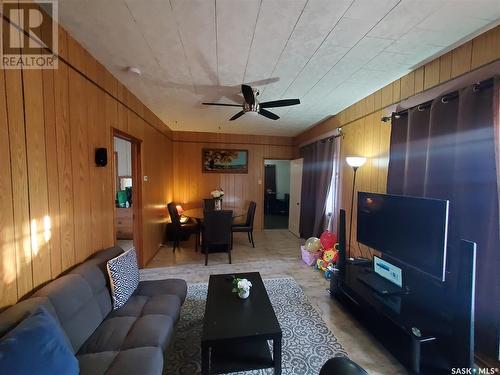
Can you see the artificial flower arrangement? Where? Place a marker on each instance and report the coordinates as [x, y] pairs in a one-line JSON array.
[[242, 287], [217, 194]]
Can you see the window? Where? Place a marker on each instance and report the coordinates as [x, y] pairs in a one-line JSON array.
[[332, 201]]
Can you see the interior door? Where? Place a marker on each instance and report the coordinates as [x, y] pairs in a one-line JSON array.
[[295, 191]]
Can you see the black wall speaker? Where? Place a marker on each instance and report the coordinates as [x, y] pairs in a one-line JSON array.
[[101, 157], [338, 275], [465, 294], [341, 235]]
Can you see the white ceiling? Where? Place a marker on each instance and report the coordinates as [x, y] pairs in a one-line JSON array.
[[327, 53]]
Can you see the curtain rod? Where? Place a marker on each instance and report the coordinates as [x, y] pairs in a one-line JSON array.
[[332, 137], [444, 99], [322, 140]]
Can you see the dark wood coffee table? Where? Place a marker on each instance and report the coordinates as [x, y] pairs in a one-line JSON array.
[[236, 331]]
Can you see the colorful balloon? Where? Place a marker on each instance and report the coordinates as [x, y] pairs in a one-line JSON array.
[[312, 244], [328, 239]]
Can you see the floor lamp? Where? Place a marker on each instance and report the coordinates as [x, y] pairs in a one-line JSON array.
[[355, 162]]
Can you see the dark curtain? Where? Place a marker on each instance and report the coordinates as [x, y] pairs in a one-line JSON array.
[[446, 149], [317, 174], [270, 178], [397, 154]]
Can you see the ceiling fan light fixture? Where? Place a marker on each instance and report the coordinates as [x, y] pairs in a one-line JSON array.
[[251, 105], [134, 70]]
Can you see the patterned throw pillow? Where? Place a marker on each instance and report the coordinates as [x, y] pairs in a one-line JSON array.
[[123, 276]]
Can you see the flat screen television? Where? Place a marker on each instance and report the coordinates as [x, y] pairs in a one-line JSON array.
[[411, 230]]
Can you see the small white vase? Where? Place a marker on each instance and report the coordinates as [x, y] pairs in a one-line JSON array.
[[244, 294], [218, 204]]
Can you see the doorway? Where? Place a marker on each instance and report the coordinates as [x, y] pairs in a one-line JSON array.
[[276, 193], [127, 187]]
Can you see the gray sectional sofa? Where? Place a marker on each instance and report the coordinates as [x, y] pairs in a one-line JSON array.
[[129, 340]]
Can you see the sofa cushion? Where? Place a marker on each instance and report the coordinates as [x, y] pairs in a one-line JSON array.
[[37, 345], [125, 332], [109, 336], [75, 306], [150, 330], [123, 276], [95, 273], [151, 288], [96, 363], [143, 361], [136, 306], [11, 317], [107, 254]]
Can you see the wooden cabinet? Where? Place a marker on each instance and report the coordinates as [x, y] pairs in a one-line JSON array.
[[124, 223]]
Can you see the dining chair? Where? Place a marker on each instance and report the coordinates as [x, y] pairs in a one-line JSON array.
[[188, 228], [208, 204], [247, 226], [217, 235]]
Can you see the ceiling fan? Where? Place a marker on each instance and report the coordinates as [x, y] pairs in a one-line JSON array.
[[252, 105]]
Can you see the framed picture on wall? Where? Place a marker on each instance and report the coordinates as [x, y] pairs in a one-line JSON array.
[[218, 160]]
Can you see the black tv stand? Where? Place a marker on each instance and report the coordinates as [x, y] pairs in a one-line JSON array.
[[360, 261], [430, 327], [381, 285], [412, 330]]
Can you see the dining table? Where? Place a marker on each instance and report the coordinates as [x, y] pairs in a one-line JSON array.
[[197, 213]]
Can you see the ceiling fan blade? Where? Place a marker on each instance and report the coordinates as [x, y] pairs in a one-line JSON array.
[[266, 113], [223, 104], [238, 115], [248, 94], [279, 103]]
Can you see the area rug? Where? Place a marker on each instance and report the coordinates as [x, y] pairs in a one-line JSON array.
[[307, 341]]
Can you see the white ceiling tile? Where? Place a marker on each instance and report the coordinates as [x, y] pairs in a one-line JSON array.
[[191, 51], [305, 41], [370, 9], [274, 26], [319, 65], [454, 20], [233, 47], [403, 18], [389, 61], [196, 24], [157, 24], [349, 31], [367, 49], [482, 9]]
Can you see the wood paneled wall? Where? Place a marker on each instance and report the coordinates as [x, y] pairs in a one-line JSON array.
[[191, 185], [366, 135], [56, 206]]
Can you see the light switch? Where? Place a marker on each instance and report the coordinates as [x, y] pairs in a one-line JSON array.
[[259, 182], [145, 178]]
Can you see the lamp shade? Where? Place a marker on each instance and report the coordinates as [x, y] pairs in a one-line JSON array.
[[355, 161]]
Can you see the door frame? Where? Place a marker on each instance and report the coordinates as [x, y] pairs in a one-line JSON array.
[[136, 149], [299, 204], [263, 184]]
